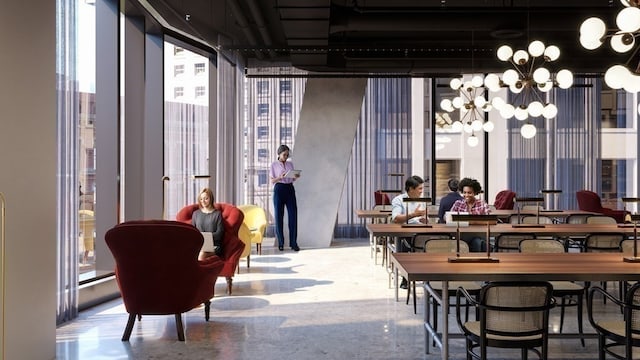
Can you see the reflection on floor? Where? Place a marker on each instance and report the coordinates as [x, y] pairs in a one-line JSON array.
[[329, 303]]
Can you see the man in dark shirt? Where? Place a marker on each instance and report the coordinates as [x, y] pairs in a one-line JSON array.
[[447, 201]]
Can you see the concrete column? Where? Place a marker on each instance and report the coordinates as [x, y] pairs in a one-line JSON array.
[[326, 131]]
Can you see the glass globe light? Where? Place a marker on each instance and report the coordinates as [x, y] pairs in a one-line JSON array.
[[455, 84], [510, 77], [549, 111], [457, 102], [535, 109], [632, 83], [477, 81], [628, 19], [504, 52], [622, 42], [541, 75], [446, 105], [467, 86], [615, 75], [497, 103], [492, 81], [521, 113], [487, 107], [536, 48], [476, 125], [564, 78], [488, 126], [625, 2], [528, 131], [472, 141], [515, 88], [507, 111], [545, 87], [593, 28], [479, 101], [466, 127], [456, 126], [520, 57], [589, 43], [551, 53]]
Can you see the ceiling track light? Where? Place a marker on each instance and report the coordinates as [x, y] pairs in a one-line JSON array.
[[594, 32]]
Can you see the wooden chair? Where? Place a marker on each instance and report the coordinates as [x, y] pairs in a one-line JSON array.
[[617, 333], [511, 315], [506, 242], [565, 290]]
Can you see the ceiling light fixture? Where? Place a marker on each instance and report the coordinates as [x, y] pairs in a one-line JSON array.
[[472, 105], [529, 80], [593, 32]]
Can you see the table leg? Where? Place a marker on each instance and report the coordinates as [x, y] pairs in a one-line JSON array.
[[395, 281], [445, 320]]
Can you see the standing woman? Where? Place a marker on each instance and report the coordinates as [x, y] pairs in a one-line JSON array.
[[208, 219], [284, 194]]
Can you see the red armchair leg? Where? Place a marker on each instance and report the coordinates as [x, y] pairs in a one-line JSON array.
[[129, 327], [207, 309], [179, 327], [229, 284]]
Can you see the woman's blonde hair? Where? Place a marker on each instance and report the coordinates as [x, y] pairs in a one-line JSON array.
[[207, 191]]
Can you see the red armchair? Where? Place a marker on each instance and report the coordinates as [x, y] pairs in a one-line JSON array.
[[504, 200], [381, 198], [590, 201], [158, 271], [232, 246]]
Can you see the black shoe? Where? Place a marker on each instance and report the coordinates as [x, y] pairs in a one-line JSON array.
[[403, 284], [281, 248], [295, 248]]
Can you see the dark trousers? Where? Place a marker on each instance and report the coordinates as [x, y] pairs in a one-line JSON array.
[[285, 195]]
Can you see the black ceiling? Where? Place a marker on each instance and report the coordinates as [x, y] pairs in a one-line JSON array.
[[414, 37]]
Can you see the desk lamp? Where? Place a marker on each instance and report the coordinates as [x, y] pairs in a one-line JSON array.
[[407, 200], [546, 192], [626, 200], [475, 219], [536, 200], [634, 219]]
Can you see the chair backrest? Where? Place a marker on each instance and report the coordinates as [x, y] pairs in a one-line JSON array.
[[155, 259], [577, 219], [532, 219], [382, 220], [511, 242], [626, 246], [603, 242], [600, 219], [632, 317], [515, 308], [381, 198], [504, 200], [254, 217], [444, 246], [588, 201], [541, 246]]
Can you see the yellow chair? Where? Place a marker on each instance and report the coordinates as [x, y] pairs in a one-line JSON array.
[[245, 235], [87, 225], [256, 220]]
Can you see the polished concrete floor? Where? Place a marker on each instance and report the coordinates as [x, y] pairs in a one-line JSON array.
[[332, 303]]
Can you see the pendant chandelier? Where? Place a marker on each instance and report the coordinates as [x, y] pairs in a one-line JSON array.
[[472, 104], [593, 33], [529, 80]]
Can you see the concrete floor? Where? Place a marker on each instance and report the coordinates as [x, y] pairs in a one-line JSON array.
[[332, 303]]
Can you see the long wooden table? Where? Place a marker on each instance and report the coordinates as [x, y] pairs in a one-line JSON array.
[[512, 266]]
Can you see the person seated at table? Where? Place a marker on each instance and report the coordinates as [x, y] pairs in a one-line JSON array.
[[448, 200], [410, 212], [470, 188]]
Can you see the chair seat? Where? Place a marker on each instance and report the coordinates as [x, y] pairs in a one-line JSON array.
[[615, 327], [474, 328], [470, 286], [566, 286]]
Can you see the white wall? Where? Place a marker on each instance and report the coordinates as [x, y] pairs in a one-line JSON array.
[[28, 177]]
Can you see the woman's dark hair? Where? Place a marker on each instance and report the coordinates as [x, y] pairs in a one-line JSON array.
[[453, 184], [413, 182], [472, 183], [282, 148]]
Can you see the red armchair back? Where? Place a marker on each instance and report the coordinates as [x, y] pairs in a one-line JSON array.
[[590, 201], [158, 271], [504, 200], [232, 246], [381, 198]]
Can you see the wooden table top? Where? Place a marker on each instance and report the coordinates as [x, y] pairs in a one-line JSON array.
[[548, 213], [518, 266], [548, 229], [373, 213]]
